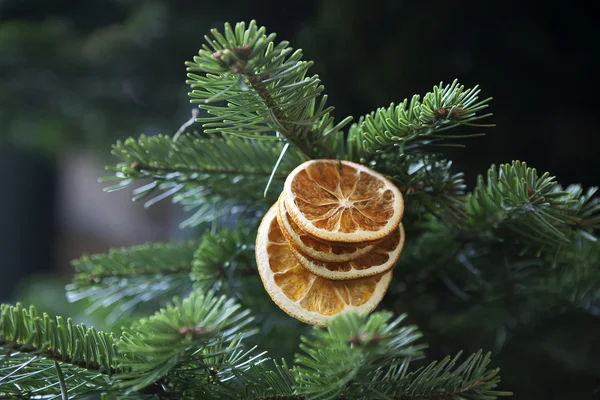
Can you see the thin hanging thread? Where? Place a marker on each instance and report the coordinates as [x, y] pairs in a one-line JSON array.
[[186, 124], [285, 147]]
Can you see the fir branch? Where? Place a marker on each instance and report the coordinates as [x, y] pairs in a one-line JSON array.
[[193, 156], [213, 373], [340, 359], [417, 123], [291, 131], [147, 259], [588, 209], [268, 380], [574, 278], [213, 176], [514, 202], [440, 380], [33, 346], [23, 330], [359, 358], [225, 256], [26, 376], [265, 90], [428, 184], [187, 334], [225, 262], [127, 279]]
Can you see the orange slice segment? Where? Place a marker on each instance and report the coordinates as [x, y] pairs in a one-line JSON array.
[[383, 257], [313, 248], [302, 294], [341, 201]]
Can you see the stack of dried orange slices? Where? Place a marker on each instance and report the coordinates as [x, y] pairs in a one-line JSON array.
[[330, 243]]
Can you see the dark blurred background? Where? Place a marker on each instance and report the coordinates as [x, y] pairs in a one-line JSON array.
[[77, 75]]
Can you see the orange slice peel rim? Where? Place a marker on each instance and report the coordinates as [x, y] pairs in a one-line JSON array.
[[342, 201], [352, 269]]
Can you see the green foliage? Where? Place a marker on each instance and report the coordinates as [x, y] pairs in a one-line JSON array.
[[588, 209], [41, 354], [370, 357], [573, 281], [187, 337], [214, 177], [469, 380], [266, 380], [342, 359], [417, 123], [223, 257], [22, 330], [265, 89], [225, 262], [518, 205], [428, 183], [182, 347], [128, 280], [194, 349], [146, 259]]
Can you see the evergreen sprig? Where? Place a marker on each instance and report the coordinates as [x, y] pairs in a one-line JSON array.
[[440, 380], [267, 380], [339, 359], [223, 257], [186, 337], [264, 90], [214, 177], [126, 262], [516, 203], [588, 209], [225, 262], [417, 123], [361, 357], [126, 279], [44, 356], [194, 349], [574, 280]]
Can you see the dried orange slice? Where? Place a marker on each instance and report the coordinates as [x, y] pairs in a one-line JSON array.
[[341, 201], [313, 248], [302, 294], [383, 257]]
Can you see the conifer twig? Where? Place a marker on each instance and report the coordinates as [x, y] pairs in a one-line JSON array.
[[413, 124], [278, 114], [48, 354], [263, 88]]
